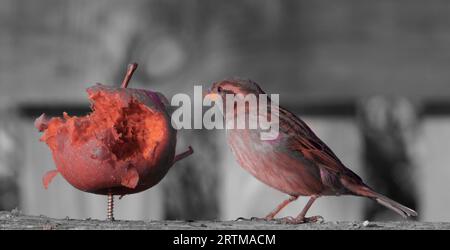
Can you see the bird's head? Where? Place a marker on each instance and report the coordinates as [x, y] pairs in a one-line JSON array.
[[241, 93], [234, 87]]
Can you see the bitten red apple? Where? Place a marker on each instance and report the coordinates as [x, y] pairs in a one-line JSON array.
[[126, 145]]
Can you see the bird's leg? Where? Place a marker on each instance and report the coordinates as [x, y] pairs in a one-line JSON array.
[[272, 214], [301, 218], [282, 205]]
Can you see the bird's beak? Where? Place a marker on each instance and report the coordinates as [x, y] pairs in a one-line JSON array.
[[208, 94], [212, 96]]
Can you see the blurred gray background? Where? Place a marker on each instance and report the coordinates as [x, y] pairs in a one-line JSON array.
[[371, 78]]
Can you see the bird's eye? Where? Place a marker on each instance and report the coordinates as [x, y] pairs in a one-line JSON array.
[[219, 89]]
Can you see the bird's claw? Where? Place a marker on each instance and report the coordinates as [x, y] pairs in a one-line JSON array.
[[251, 219], [286, 220], [315, 219], [241, 218], [293, 221]]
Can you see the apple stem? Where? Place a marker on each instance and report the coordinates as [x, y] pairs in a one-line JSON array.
[[130, 70]]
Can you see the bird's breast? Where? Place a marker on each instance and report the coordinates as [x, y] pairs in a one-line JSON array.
[[270, 163]]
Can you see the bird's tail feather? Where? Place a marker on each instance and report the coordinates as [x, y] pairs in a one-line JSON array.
[[396, 207], [383, 200]]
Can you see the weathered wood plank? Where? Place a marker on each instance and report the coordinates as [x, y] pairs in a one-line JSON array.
[[15, 220]]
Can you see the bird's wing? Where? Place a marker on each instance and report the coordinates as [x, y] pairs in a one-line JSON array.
[[303, 140]]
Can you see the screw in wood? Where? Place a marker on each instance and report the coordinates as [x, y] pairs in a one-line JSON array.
[[110, 211]]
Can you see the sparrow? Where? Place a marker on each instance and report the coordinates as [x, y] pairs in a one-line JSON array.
[[297, 162]]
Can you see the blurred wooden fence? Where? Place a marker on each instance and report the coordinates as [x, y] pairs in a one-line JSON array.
[[316, 54]]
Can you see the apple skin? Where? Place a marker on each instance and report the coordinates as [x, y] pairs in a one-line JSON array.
[[126, 145]]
